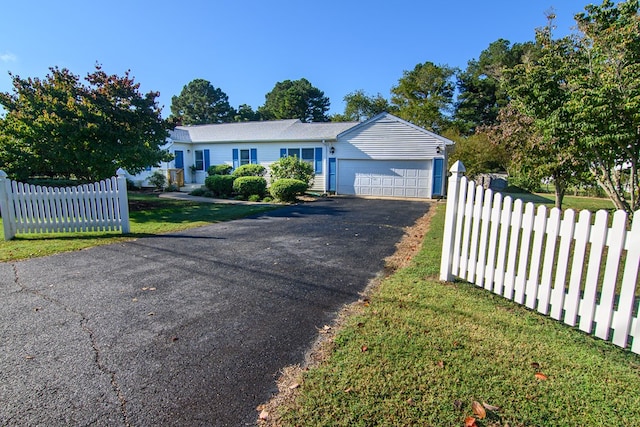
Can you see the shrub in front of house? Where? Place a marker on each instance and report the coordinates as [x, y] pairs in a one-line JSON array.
[[287, 189], [158, 180], [249, 170], [247, 186], [293, 168], [220, 185], [219, 170]]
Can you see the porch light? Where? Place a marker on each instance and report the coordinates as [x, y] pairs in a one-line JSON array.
[[332, 150]]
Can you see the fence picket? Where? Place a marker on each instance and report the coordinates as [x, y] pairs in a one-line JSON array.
[[622, 317], [481, 262], [501, 258], [539, 226], [523, 253], [514, 238], [493, 241], [572, 301], [476, 216], [598, 238], [458, 227], [615, 241], [466, 237], [546, 280]]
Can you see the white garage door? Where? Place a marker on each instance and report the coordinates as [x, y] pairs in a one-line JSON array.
[[391, 178]]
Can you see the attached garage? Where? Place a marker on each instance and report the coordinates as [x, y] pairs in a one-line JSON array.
[[385, 178], [388, 157]]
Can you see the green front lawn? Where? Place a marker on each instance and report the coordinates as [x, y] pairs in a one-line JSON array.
[[149, 215], [420, 352]]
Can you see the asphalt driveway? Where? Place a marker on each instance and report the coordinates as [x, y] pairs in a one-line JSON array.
[[189, 328]]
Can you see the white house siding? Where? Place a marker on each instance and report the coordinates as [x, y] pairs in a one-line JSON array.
[[387, 138], [222, 153]]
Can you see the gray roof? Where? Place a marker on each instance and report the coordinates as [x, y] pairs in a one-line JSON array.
[[275, 130]]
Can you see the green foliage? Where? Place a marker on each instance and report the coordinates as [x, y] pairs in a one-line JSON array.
[[254, 198], [287, 189], [249, 170], [246, 114], [201, 192], [478, 153], [424, 95], [158, 180], [200, 103], [220, 170], [296, 99], [61, 127], [360, 107], [220, 185], [246, 186], [293, 168], [605, 98], [481, 90]]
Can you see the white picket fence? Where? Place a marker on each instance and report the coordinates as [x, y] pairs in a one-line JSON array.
[[582, 272], [100, 206]]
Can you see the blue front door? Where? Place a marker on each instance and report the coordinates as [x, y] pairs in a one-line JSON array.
[[438, 166], [179, 161], [332, 174]]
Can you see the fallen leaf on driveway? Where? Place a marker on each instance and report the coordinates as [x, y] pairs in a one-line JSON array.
[[264, 415]]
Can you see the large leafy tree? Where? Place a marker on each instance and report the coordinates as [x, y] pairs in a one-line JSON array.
[[539, 98], [359, 107], [61, 127], [481, 92], [295, 99], [200, 103], [424, 95], [605, 98]]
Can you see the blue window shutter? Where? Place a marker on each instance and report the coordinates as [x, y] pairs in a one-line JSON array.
[[254, 156], [207, 160], [319, 160], [236, 160], [283, 152]]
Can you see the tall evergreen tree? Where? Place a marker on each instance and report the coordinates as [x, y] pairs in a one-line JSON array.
[[200, 103], [295, 99]]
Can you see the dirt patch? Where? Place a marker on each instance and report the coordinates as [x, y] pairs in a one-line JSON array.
[[291, 377]]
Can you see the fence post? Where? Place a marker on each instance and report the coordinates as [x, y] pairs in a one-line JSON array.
[[123, 201], [5, 207], [453, 191]]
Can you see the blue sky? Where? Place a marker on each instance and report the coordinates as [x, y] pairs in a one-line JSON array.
[[245, 47]]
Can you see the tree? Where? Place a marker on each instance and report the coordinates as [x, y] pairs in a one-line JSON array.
[[60, 127], [605, 98], [296, 99], [360, 107], [481, 93], [246, 114], [539, 109], [424, 95], [200, 103], [478, 153]]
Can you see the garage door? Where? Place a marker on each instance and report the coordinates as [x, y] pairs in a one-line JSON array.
[[390, 178]]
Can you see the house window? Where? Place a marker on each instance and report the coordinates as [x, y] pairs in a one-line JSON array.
[[245, 158], [199, 160], [312, 156]]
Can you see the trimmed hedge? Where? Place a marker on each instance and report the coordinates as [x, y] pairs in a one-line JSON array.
[[249, 170], [287, 189], [220, 185], [219, 170], [247, 186]]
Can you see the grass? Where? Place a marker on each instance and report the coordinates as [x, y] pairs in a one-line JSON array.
[[149, 215], [420, 352], [576, 203]]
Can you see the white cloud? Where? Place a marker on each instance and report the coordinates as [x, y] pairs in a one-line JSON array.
[[8, 57]]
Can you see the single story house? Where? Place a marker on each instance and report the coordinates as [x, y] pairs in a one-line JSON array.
[[384, 156]]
